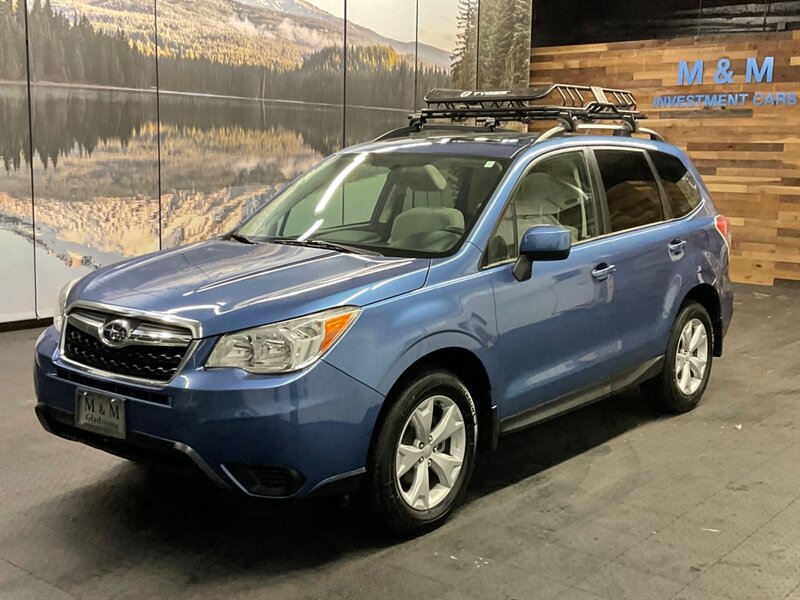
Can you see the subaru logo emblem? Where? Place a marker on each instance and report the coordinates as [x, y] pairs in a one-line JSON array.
[[116, 332]]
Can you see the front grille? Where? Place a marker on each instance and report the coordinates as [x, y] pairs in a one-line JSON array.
[[149, 361]]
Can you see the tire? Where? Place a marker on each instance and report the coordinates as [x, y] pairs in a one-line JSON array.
[[400, 501], [671, 390]]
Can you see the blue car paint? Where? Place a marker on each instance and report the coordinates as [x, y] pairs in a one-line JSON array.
[[537, 340], [318, 421], [556, 331], [226, 286], [455, 309]]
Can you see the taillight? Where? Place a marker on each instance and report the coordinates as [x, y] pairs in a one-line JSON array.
[[724, 227]]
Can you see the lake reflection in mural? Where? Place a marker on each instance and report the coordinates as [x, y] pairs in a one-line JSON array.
[[221, 159]]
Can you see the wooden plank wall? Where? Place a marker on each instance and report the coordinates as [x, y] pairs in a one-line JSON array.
[[749, 157]]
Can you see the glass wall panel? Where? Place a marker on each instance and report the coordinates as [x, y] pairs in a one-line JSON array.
[[447, 57], [238, 99], [95, 169], [251, 95], [17, 294], [381, 66]]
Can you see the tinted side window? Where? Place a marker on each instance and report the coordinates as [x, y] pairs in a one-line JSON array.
[[679, 185], [631, 190]]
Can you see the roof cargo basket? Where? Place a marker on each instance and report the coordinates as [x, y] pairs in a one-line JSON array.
[[574, 107]]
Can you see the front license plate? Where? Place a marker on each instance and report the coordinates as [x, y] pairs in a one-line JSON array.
[[100, 413]]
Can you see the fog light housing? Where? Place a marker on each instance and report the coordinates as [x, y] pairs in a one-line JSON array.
[[265, 480]]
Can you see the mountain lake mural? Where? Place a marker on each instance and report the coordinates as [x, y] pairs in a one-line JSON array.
[[236, 97]]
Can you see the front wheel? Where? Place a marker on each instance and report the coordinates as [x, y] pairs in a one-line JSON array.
[[687, 365], [423, 456]]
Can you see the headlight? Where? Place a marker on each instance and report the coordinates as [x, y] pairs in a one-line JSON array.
[[61, 307], [283, 347]]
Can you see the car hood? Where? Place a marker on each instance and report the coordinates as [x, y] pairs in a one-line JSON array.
[[226, 285]]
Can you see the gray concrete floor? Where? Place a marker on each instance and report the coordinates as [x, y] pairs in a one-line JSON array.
[[612, 501]]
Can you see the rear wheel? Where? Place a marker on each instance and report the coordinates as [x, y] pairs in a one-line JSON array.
[[687, 366], [423, 457]]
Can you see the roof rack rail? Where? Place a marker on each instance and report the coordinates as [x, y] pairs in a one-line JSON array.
[[575, 107]]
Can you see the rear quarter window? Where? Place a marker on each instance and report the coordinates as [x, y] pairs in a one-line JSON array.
[[683, 193], [632, 194]]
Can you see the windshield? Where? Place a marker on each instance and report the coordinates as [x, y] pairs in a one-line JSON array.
[[396, 204]]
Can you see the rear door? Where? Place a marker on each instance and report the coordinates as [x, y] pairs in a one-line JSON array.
[[556, 329], [649, 250]]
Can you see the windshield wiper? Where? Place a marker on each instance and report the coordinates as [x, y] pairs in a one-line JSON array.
[[323, 244], [243, 239]]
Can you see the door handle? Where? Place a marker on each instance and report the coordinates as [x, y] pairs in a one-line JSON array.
[[602, 271], [676, 246]]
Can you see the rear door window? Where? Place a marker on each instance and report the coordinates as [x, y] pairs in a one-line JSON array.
[[683, 194], [632, 194]]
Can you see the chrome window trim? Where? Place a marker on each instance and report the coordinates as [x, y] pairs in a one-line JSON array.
[[194, 326], [656, 223], [689, 215], [616, 233]]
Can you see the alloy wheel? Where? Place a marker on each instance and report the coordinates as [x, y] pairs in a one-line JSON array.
[[692, 357], [430, 453]]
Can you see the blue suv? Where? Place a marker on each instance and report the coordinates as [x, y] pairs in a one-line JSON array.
[[403, 303]]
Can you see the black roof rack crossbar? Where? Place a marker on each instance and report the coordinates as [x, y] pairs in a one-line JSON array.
[[574, 107]]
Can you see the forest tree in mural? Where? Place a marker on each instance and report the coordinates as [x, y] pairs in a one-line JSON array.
[[73, 51], [12, 41], [492, 44], [504, 44], [464, 57]]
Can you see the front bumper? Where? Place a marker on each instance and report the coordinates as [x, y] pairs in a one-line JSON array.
[[314, 427]]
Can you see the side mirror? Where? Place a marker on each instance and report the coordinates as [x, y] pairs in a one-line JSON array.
[[541, 242]]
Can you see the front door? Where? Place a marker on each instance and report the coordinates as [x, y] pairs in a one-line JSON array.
[[555, 330]]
